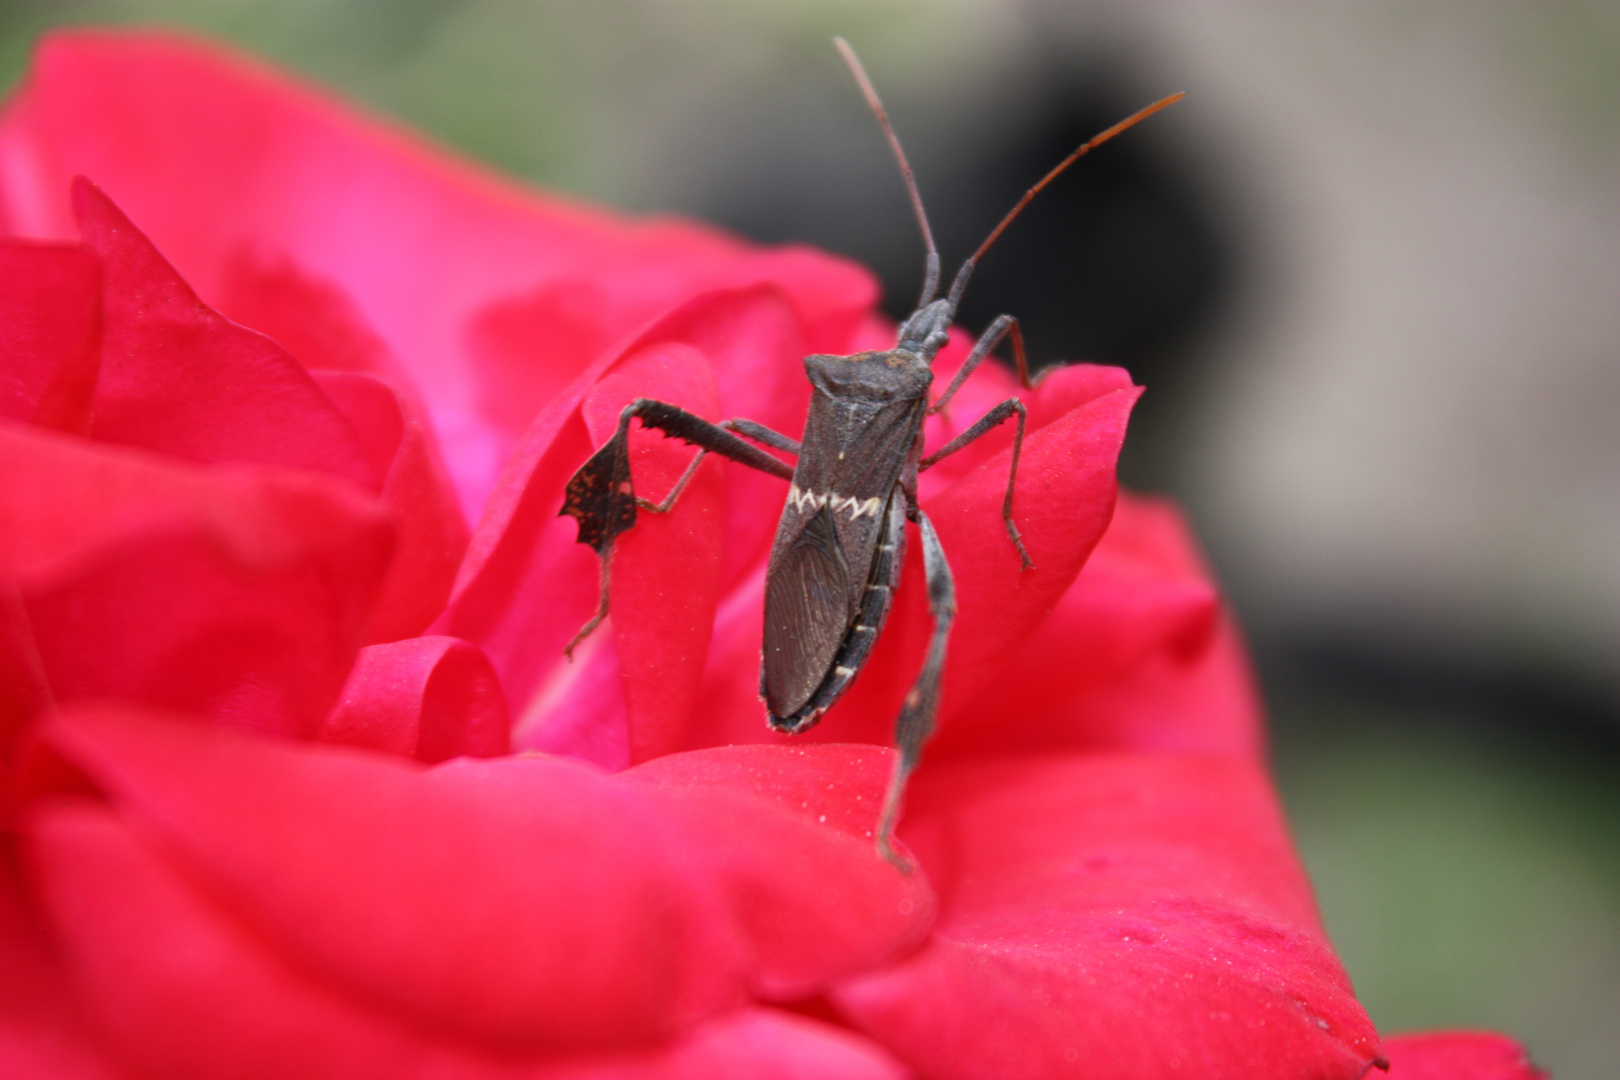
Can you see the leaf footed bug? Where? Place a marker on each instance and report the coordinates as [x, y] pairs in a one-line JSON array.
[[840, 544]]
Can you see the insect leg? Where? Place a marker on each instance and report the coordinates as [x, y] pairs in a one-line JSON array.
[[757, 432], [676, 422], [762, 434], [916, 721], [986, 422], [602, 496], [1000, 328]]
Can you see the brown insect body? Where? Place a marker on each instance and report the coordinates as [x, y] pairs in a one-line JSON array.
[[841, 541]]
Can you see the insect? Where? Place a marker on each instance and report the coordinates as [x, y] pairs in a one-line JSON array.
[[840, 545]]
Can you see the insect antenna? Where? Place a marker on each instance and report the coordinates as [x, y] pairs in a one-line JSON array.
[[959, 285], [931, 276]]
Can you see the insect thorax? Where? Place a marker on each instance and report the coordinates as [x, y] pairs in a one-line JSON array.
[[888, 375]]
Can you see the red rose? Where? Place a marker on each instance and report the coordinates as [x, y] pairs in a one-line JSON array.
[[297, 783]]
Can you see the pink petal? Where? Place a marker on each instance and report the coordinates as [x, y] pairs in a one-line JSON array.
[[1059, 391], [756, 345], [1126, 916], [747, 1045], [666, 571], [526, 586], [1139, 655], [525, 903], [179, 989], [178, 378], [235, 594], [1063, 503], [432, 698], [312, 318], [432, 536], [424, 243], [1458, 1055], [792, 832], [41, 1037], [732, 711], [173, 985], [319, 325], [50, 333]]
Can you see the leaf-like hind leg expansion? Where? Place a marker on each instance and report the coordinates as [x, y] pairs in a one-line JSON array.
[[601, 494], [917, 716], [986, 422]]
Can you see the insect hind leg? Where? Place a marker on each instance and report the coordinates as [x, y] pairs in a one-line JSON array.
[[921, 708], [601, 494]]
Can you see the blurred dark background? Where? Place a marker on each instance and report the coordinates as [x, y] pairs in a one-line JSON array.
[[1370, 275]]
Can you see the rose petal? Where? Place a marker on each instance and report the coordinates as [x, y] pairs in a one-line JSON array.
[[1112, 915], [431, 698], [526, 586], [1063, 503], [312, 318], [178, 378], [174, 986], [422, 242], [1139, 655], [746, 1045], [318, 324], [1060, 391], [432, 536], [1458, 1055], [41, 1038], [526, 903], [179, 989], [236, 594], [50, 333], [666, 571], [792, 831], [757, 344]]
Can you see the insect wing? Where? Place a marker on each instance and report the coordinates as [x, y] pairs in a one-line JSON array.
[[805, 614], [835, 519]]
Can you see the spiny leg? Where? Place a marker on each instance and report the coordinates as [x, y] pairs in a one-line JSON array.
[[1000, 328], [989, 420], [916, 722], [601, 494], [676, 422], [757, 432]]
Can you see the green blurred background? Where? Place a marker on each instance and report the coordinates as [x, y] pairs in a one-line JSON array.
[[1368, 273]]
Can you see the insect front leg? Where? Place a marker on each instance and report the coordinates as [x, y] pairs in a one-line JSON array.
[[1003, 326], [1010, 407], [917, 715], [601, 494]]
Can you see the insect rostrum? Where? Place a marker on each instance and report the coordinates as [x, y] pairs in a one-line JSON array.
[[840, 544]]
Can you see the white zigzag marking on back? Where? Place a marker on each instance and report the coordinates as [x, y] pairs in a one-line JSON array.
[[815, 501]]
